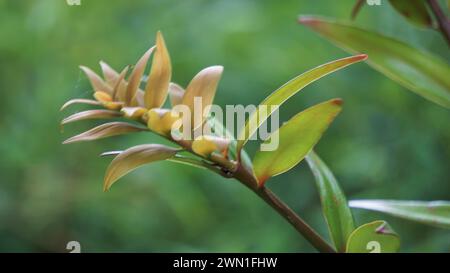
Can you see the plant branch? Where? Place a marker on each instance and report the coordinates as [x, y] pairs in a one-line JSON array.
[[298, 223], [443, 21], [243, 175]]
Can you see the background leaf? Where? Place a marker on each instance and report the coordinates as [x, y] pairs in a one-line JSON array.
[[134, 157], [415, 11], [374, 237], [435, 213], [357, 8], [289, 89], [416, 70], [337, 214], [296, 138]]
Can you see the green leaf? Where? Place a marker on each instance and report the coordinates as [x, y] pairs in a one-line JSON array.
[[337, 214], [296, 139], [282, 94], [415, 11], [134, 157], [435, 213], [106, 130], [374, 237], [418, 71]]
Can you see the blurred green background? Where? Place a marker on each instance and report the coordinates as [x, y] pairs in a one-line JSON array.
[[387, 143]]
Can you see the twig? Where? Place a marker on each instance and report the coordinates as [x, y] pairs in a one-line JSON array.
[[443, 21], [356, 8], [246, 177], [243, 175]]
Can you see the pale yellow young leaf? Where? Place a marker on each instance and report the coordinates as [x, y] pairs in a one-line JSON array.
[[160, 74], [91, 114], [203, 86], [206, 145], [176, 94], [120, 85], [106, 130], [79, 101], [98, 84], [134, 157], [136, 76]]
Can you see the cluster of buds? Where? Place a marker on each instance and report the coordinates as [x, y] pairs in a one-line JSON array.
[[121, 96]]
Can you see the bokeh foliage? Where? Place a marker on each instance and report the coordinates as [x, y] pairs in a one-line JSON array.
[[387, 143]]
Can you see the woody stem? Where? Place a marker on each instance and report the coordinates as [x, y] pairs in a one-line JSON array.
[[245, 176]]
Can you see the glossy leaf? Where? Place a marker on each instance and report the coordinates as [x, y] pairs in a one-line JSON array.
[[98, 84], [416, 70], [337, 214], [296, 139], [136, 76], [415, 11], [282, 94], [91, 114], [105, 130], [374, 237], [160, 74], [435, 213], [134, 157], [204, 86], [79, 101]]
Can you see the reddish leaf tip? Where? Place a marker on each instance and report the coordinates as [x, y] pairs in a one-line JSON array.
[[262, 180], [308, 20], [338, 102], [362, 57]]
